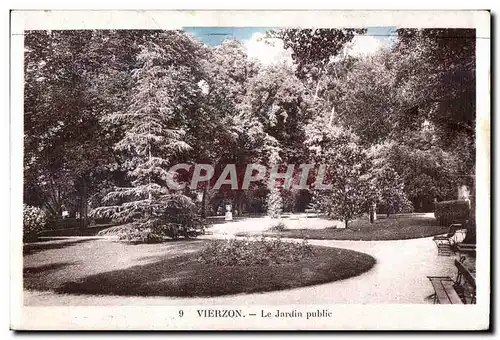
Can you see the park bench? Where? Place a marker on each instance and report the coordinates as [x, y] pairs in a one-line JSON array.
[[445, 242], [466, 282], [464, 248], [459, 291], [444, 290]]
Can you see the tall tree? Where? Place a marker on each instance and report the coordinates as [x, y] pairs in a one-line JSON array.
[[164, 94], [347, 173], [64, 142], [312, 49]]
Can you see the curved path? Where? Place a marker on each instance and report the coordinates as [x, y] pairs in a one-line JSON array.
[[399, 276]]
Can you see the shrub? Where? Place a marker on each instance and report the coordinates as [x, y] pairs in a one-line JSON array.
[[175, 217], [154, 234], [238, 252], [399, 206], [145, 235], [278, 227], [449, 212], [65, 223], [390, 190], [274, 203], [34, 221]]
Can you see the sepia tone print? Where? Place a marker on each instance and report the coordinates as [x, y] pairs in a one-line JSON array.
[[230, 166], [107, 113]]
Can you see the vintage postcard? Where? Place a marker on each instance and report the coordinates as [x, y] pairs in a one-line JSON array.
[[250, 170]]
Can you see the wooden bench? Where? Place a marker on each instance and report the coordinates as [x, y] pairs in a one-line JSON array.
[[449, 291], [444, 290], [466, 248], [445, 242], [466, 280]]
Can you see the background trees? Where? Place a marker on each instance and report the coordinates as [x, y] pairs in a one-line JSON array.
[[107, 112]]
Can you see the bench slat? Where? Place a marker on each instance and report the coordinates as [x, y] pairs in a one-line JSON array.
[[467, 248], [441, 294], [451, 292], [439, 288]]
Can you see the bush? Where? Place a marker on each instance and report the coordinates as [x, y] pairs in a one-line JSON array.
[[278, 227], [237, 252], [176, 216], [392, 198], [145, 235], [154, 234], [449, 212], [65, 223], [34, 221], [274, 203], [399, 205]]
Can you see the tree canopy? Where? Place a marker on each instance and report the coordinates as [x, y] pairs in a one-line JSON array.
[[106, 113]]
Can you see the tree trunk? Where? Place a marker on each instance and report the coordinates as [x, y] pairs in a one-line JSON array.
[[204, 202], [332, 113], [84, 216], [319, 81], [373, 213], [317, 90], [238, 202], [346, 223], [240, 207]]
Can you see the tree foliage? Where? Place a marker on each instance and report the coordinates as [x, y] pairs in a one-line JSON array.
[[108, 112], [312, 49], [162, 98], [348, 168]]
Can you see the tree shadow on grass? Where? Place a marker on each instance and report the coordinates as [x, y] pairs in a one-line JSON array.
[[185, 276], [48, 267], [32, 248], [141, 280], [189, 247], [89, 231]]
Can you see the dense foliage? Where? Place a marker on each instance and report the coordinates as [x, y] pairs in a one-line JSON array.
[[34, 221], [108, 112]]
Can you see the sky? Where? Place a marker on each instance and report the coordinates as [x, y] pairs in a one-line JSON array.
[[251, 37]]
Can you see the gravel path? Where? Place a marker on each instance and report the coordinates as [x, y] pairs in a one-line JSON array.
[[400, 276]]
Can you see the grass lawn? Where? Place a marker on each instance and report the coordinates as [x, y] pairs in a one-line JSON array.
[[397, 227], [103, 267]]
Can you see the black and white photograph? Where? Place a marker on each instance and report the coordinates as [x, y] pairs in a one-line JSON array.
[[265, 173]]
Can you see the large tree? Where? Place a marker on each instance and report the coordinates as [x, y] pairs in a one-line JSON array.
[[165, 93], [347, 191], [65, 146]]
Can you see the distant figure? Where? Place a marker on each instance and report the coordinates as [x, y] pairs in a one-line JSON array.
[[229, 213]]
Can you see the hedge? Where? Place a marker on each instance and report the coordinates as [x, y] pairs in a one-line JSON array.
[[72, 222], [449, 212]]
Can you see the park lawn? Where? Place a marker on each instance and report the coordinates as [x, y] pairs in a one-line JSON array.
[[396, 227], [103, 267]]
